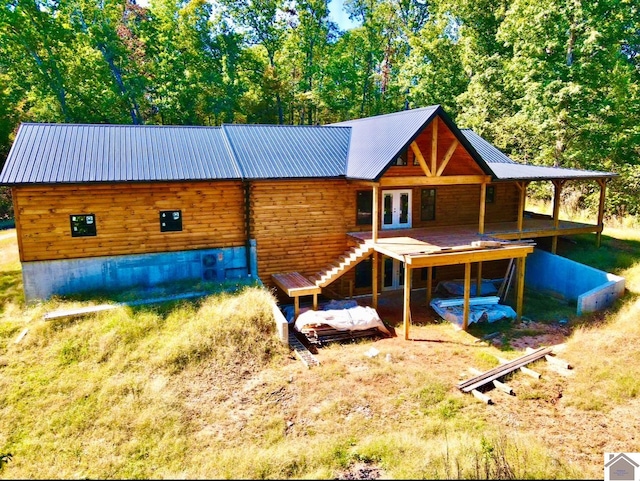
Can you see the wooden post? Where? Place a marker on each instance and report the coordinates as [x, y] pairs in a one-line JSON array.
[[557, 185], [521, 203], [520, 288], [315, 302], [375, 214], [603, 190], [296, 307], [429, 283], [434, 144], [406, 312], [483, 205], [467, 292], [479, 280], [374, 280]]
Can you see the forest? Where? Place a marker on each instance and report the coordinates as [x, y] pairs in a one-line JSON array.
[[550, 82]]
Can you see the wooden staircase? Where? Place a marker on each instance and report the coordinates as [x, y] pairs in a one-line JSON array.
[[345, 262]]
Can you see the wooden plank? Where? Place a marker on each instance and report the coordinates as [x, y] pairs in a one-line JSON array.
[[375, 219], [483, 207], [420, 158], [434, 181], [503, 387], [558, 362], [520, 289], [481, 396], [80, 311], [406, 309], [467, 293], [502, 370], [603, 187], [447, 157], [530, 372], [295, 284], [374, 280]]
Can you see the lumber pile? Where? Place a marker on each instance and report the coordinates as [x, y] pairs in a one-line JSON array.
[[320, 334]]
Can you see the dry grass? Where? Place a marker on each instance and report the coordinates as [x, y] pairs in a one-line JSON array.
[[203, 390]]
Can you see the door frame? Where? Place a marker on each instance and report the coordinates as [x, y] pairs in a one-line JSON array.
[[395, 206]]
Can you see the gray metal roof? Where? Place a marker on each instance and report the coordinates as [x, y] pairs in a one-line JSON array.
[[48, 153], [504, 168], [357, 149], [377, 141], [285, 151]]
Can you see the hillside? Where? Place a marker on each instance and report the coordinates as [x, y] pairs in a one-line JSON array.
[[203, 390]]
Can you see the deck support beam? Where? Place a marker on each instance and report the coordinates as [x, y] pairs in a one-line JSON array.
[[603, 190], [374, 280], [520, 287], [479, 280], [375, 214], [522, 186], [406, 311], [557, 185], [467, 293], [483, 205], [429, 284]]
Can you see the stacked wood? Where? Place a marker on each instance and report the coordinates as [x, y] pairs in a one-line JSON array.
[[320, 334]]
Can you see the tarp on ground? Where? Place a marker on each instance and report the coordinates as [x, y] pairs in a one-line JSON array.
[[489, 311], [351, 319]]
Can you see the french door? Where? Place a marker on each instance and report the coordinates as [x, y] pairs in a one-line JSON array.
[[396, 209], [392, 274]]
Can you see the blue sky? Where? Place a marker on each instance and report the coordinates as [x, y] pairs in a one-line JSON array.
[[337, 13]]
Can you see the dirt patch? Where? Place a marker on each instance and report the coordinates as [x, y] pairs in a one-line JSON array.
[[361, 471]]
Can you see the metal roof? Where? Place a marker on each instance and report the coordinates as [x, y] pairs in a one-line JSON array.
[[48, 153], [377, 141], [357, 149], [285, 151], [504, 168]]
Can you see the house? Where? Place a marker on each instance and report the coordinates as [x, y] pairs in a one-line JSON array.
[[621, 467], [391, 201]]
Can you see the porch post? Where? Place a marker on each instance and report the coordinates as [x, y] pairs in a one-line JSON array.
[[603, 190], [520, 288], [429, 283], [467, 292], [521, 201], [406, 311], [375, 214], [557, 184], [374, 280], [483, 204], [479, 280]]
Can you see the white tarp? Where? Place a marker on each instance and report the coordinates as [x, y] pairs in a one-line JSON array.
[[480, 309], [353, 319]]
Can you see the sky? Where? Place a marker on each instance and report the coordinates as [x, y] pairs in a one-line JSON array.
[[337, 13]]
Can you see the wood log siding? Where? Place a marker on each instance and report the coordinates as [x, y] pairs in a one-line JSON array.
[[300, 225], [127, 218]]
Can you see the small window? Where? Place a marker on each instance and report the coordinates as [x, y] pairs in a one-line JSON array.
[[428, 204], [364, 212], [170, 220], [490, 194], [83, 225], [402, 158], [363, 273]]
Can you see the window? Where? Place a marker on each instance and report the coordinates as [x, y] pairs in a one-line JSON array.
[[170, 221], [428, 204], [83, 225], [363, 273], [490, 194], [364, 207], [402, 158]]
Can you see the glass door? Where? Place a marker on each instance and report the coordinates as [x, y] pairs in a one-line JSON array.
[[396, 209]]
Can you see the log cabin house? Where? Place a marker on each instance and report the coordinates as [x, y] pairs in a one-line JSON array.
[[394, 201]]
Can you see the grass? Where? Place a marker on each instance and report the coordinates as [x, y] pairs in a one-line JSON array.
[[202, 389]]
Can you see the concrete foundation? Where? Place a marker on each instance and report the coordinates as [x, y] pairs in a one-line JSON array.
[[42, 279], [590, 288]]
